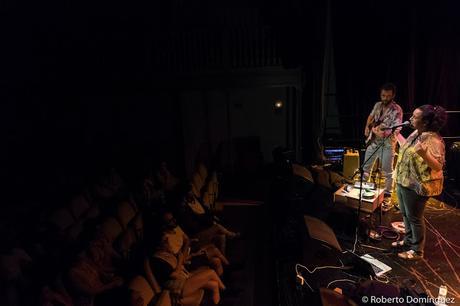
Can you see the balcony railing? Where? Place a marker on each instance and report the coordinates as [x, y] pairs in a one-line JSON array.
[[223, 49]]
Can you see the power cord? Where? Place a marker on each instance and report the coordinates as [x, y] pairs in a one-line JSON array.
[[382, 279], [356, 239], [302, 279], [341, 280], [318, 268]]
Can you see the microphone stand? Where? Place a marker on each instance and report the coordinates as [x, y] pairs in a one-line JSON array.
[[361, 173]]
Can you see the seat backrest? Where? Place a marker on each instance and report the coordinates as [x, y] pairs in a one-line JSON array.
[[196, 191], [302, 172], [92, 212], [213, 188], [78, 206], [75, 230], [125, 243], [197, 181], [150, 277], [165, 300], [137, 224], [102, 192], [214, 177], [111, 229], [203, 171], [140, 285], [207, 199], [125, 213], [62, 219]]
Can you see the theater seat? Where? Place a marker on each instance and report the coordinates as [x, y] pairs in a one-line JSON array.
[[140, 285], [75, 230], [302, 172], [137, 224], [330, 297], [111, 229], [125, 242], [207, 200], [62, 219], [214, 185], [197, 181], [203, 171], [78, 206], [125, 213], [150, 277], [92, 212], [193, 300], [196, 191]]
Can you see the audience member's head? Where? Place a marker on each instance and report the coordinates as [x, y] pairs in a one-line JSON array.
[[168, 221]]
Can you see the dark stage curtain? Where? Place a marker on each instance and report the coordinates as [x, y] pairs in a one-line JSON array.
[[301, 27], [413, 45]]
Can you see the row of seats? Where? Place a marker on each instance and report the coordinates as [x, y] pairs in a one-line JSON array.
[[108, 208], [70, 220], [124, 229]]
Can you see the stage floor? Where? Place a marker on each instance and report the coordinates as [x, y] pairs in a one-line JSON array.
[[441, 262], [440, 265]]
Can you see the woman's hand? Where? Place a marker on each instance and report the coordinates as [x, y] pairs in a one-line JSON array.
[[179, 272], [421, 149]]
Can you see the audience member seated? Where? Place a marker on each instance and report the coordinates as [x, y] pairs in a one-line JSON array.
[[167, 181], [179, 243], [12, 276], [200, 223], [50, 296], [327, 178], [91, 277], [169, 269], [108, 185], [153, 196]]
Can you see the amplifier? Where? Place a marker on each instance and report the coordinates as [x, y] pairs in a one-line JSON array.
[[350, 163]]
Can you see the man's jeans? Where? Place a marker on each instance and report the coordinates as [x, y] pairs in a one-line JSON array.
[[386, 155]]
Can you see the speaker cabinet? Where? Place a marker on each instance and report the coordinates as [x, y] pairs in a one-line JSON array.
[[350, 163], [320, 248], [320, 231]]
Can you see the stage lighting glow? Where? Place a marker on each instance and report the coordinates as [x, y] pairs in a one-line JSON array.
[[278, 104]]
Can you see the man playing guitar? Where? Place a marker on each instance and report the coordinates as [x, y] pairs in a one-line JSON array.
[[386, 113]]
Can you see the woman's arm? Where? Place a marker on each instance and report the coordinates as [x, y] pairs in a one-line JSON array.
[[179, 271], [185, 245], [422, 150]]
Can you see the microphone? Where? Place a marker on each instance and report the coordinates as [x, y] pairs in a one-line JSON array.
[[405, 123]]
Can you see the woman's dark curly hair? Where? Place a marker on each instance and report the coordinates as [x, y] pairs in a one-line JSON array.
[[434, 116]]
